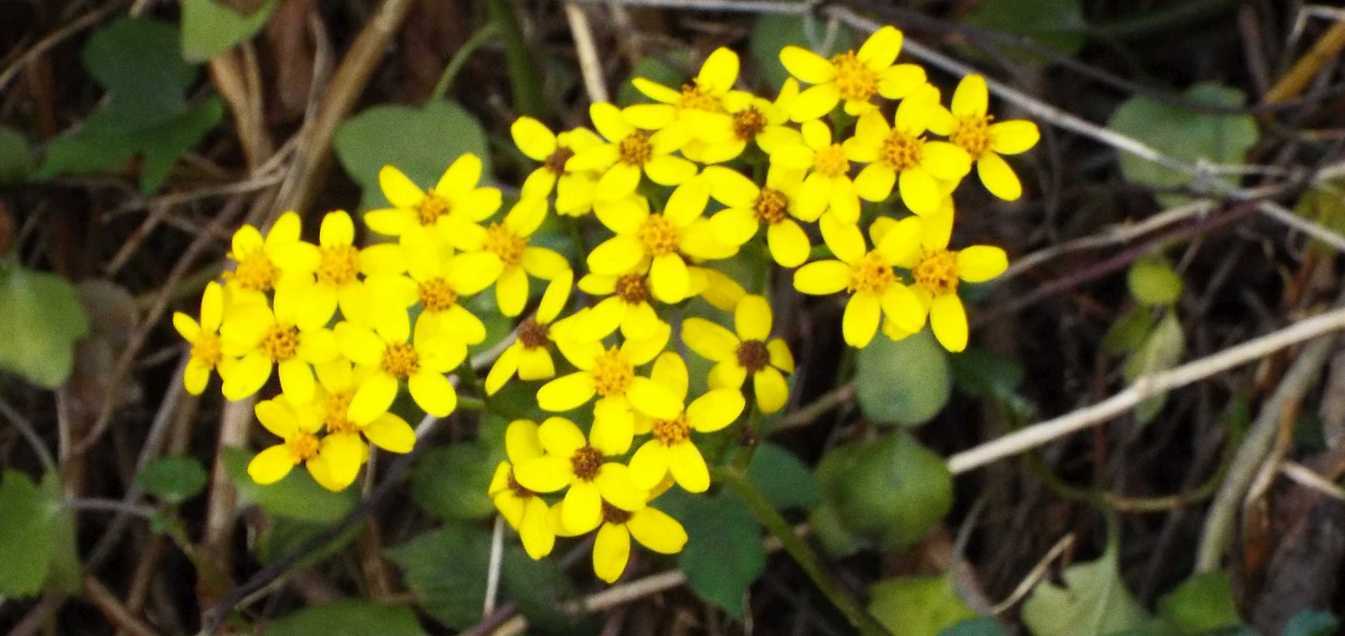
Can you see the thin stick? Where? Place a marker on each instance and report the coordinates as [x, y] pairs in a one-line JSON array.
[[589, 65], [1306, 68], [825, 402], [459, 59], [29, 434], [496, 560], [56, 37], [1309, 478], [113, 610], [1143, 388], [1030, 581]]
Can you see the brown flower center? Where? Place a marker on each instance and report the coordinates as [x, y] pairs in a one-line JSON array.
[[659, 235], [612, 373], [614, 515], [632, 288], [854, 80], [533, 334], [586, 462], [281, 342], [937, 272], [753, 355], [747, 124], [437, 295], [771, 206], [902, 151], [556, 162], [635, 149], [671, 432], [400, 360], [973, 134], [871, 274]]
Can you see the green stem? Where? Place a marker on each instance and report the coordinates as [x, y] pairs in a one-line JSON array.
[[803, 554], [471, 403], [522, 75], [460, 58]]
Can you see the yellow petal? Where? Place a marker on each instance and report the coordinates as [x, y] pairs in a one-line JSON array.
[[212, 307], [860, 322], [195, 376], [342, 454], [616, 255], [433, 393], [919, 191], [246, 240], [1013, 136], [398, 188], [709, 340], [524, 218], [522, 441], [875, 181], [640, 352], [389, 221], [624, 215], [844, 240], [945, 161], [581, 510], [752, 318], [649, 465], [806, 65], [534, 529], [730, 187], [715, 410], [669, 280], [548, 473], [788, 243], [511, 291], [618, 489], [566, 392], [815, 102], [611, 552], [271, 465], [613, 426], [296, 380], [881, 48], [719, 72], [186, 327], [903, 307], [998, 177], [461, 177], [949, 320], [277, 417], [649, 116], [820, 278], [667, 170], [554, 298], [670, 371], [337, 229], [245, 377], [618, 181], [653, 399], [390, 433], [901, 244], [639, 322], [655, 530], [688, 468], [373, 398], [475, 271], [609, 122], [781, 358], [655, 91], [533, 138], [971, 99], [503, 369], [900, 81], [980, 263], [727, 374], [771, 390]]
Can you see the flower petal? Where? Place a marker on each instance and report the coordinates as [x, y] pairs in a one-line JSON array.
[[788, 243], [533, 138], [271, 465], [998, 177], [771, 390], [398, 188], [611, 552], [860, 322], [581, 510], [390, 433], [653, 399], [971, 99], [715, 410], [821, 278], [548, 473], [980, 263], [949, 320], [566, 392], [658, 531], [688, 467], [806, 65], [372, 399], [1013, 136]]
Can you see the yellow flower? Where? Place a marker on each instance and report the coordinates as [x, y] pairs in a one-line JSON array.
[[332, 460], [334, 265], [751, 351], [526, 513], [206, 349], [452, 207], [257, 271], [750, 119], [923, 170], [293, 338], [529, 355], [937, 271], [437, 282], [664, 241], [338, 382], [851, 76], [582, 465], [748, 206], [968, 126], [699, 107], [506, 259], [670, 449], [389, 355], [574, 189], [609, 373], [828, 187], [653, 528], [875, 290], [631, 149]]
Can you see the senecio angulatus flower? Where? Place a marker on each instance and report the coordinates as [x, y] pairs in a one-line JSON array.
[[682, 213]]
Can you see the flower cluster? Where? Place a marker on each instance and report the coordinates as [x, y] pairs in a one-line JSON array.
[[677, 184]]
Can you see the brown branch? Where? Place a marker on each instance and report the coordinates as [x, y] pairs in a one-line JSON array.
[[113, 610]]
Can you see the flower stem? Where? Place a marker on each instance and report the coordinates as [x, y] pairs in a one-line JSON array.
[[802, 553]]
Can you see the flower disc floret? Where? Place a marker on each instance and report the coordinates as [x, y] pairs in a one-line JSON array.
[[771, 206], [400, 360], [612, 373], [753, 355], [871, 275], [437, 294], [659, 235], [504, 243], [533, 334], [633, 288], [586, 463], [339, 265], [670, 432], [748, 123], [281, 342], [937, 272], [855, 81], [902, 151]]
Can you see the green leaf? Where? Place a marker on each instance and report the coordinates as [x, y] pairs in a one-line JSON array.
[[173, 479], [1312, 623], [296, 496], [1202, 603], [1056, 23], [723, 554], [446, 570], [1127, 334], [984, 626], [284, 537], [890, 491], [65, 573], [16, 159], [1162, 350], [782, 478], [1183, 134], [984, 374], [773, 32], [906, 382], [451, 482], [41, 318], [210, 28], [27, 518], [1153, 282], [1093, 600], [832, 534], [421, 142], [348, 616], [540, 588], [917, 605]]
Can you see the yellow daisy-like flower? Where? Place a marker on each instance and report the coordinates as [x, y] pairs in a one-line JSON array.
[[875, 289], [852, 76], [207, 351], [900, 155], [970, 127], [700, 106], [338, 381], [292, 338], [828, 187], [334, 265], [525, 512], [256, 269], [665, 241], [529, 356], [389, 355], [749, 206], [574, 189], [651, 527], [452, 207], [505, 258], [609, 373], [670, 449], [581, 465], [749, 119], [937, 270], [332, 460], [750, 352], [632, 150]]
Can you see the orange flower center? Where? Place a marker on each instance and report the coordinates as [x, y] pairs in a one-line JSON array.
[[671, 432], [831, 161], [339, 265], [502, 242], [747, 124], [533, 334], [432, 207], [633, 289], [586, 463], [302, 447], [855, 81], [694, 97], [556, 162], [400, 360], [902, 151], [281, 342], [256, 272], [771, 206], [973, 134], [937, 272], [871, 274], [207, 349], [753, 355], [612, 373], [437, 295], [659, 235], [635, 149], [334, 415]]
